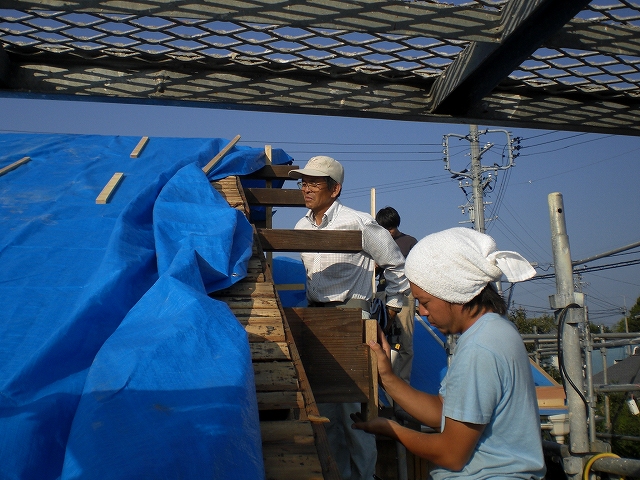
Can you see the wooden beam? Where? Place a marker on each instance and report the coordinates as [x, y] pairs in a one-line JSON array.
[[343, 241], [15, 165], [274, 197], [108, 190], [207, 168], [139, 147], [335, 359], [273, 172], [525, 25]]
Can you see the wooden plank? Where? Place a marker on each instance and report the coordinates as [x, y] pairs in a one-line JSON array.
[[14, 165], [341, 241], [254, 277], [109, 188], [296, 432], [290, 286], [265, 333], [279, 197], [292, 466], [330, 342], [275, 376], [269, 351], [250, 302], [257, 312], [207, 168], [265, 289], [280, 400], [139, 147], [273, 172]]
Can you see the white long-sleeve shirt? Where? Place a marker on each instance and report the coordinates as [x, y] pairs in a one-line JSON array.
[[342, 276]]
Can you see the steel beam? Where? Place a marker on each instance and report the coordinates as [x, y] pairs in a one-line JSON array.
[[482, 66]]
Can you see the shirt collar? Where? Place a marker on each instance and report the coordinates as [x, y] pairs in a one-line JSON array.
[[328, 216]]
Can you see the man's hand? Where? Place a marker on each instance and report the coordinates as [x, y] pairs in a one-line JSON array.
[[382, 351], [378, 425]]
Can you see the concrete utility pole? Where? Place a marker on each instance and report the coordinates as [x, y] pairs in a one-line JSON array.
[[568, 305], [476, 178]]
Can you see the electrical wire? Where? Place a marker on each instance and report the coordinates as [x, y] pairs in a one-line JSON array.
[[563, 370]]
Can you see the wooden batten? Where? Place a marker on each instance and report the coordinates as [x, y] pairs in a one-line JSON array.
[[209, 166], [14, 165], [273, 172], [137, 151], [277, 197], [345, 241], [109, 189]]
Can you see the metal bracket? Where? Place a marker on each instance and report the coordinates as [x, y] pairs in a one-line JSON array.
[[561, 300]]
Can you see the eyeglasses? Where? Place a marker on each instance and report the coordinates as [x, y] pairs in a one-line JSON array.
[[314, 186]]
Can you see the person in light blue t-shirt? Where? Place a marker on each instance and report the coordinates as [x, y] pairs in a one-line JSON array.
[[486, 413]]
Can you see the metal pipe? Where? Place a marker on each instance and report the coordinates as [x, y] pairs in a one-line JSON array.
[[619, 343], [565, 296], [626, 387], [607, 407], [599, 336], [618, 466], [589, 376], [633, 438], [606, 254], [401, 453]]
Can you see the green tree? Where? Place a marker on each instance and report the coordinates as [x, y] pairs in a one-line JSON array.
[[623, 424], [540, 325], [633, 319], [543, 324]]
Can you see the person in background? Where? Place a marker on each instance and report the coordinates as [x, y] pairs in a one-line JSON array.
[[486, 412], [345, 280], [389, 218]]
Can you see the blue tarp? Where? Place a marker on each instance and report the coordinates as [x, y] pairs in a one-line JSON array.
[[114, 361]]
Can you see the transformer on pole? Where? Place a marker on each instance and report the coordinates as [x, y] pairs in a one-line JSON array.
[[479, 177]]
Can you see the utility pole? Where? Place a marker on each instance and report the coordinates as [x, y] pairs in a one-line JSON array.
[[476, 176], [480, 177]]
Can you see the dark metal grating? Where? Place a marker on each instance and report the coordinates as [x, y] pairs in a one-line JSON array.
[[385, 59]]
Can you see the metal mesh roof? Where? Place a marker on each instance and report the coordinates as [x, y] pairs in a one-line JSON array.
[[570, 65]]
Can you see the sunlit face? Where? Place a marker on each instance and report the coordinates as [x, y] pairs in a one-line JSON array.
[[318, 199], [446, 317]]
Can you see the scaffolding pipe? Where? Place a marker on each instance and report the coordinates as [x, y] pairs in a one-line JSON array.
[[566, 298], [607, 409], [589, 375], [618, 466], [625, 387]]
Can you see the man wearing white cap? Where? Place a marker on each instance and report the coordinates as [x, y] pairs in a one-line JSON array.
[[345, 279], [486, 411]]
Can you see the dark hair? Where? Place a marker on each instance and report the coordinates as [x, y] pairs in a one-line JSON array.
[[388, 218], [331, 183], [489, 299]]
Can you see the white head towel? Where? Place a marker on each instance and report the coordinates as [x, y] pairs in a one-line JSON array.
[[456, 264]]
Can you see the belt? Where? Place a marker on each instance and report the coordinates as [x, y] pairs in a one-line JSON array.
[[350, 303]]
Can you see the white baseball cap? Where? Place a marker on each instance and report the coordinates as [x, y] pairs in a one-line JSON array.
[[321, 166]]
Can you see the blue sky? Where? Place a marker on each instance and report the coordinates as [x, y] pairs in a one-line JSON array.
[[596, 174]]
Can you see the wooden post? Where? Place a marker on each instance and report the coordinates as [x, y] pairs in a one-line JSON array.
[[370, 409], [269, 208]]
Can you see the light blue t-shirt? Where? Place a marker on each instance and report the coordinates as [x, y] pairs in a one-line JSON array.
[[490, 382]]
